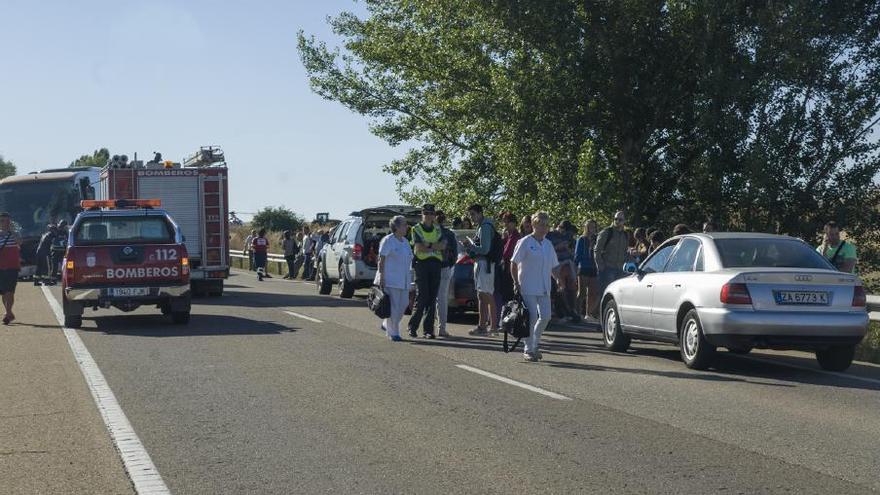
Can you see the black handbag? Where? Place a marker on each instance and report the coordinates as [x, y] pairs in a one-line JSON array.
[[515, 322], [379, 302]]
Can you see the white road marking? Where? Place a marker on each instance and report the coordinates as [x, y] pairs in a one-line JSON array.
[[304, 317], [137, 462], [515, 383], [814, 370]]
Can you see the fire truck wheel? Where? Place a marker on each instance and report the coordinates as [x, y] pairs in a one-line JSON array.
[[180, 317]]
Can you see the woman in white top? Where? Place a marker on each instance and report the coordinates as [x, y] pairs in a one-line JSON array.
[[394, 276], [534, 262]]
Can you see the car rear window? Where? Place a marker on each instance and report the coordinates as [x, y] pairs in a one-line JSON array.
[[124, 230], [777, 253]]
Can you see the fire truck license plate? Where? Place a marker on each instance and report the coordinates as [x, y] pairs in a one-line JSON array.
[[129, 291]]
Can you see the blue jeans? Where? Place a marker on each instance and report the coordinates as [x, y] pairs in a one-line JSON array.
[[608, 275]]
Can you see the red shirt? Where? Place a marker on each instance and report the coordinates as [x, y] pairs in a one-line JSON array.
[[510, 240], [10, 254], [260, 245]]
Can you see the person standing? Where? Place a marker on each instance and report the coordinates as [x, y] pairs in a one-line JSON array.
[[290, 249], [10, 264], [525, 226], [428, 245], [308, 248], [564, 301], [841, 254], [510, 237], [393, 274], [248, 241], [588, 282], [681, 229], [484, 270], [610, 250], [260, 247], [59, 247], [533, 264], [43, 254], [641, 248], [447, 266]]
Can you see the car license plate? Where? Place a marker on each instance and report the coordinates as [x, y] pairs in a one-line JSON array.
[[801, 297], [129, 291]]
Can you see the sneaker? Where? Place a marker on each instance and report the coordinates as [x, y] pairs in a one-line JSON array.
[[267, 275], [444, 333], [382, 327], [494, 332], [396, 338], [479, 331], [413, 334], [259, 279], [539, 355], [429, 336], [530, 357]]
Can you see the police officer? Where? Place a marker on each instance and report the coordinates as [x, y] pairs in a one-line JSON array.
[[428, 246]]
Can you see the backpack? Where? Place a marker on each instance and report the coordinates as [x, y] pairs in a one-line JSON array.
[[379, 302], [496, 246], [515, 322]]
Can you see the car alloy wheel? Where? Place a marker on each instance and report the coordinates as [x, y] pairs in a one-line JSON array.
[[610, 325], [691, 338], [613, 336]]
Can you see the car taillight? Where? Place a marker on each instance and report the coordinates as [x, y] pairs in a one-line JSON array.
[[357, 252], [859, 298], [735, 294], [465, 260], [184, 265]]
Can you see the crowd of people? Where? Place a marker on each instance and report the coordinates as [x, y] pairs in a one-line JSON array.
[[557, 272], [299, 249]]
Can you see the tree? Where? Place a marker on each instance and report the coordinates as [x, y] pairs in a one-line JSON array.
[[277, 219], [98, 158], [7, 168], [759, 114]]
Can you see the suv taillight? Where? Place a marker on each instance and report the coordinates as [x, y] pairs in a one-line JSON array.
[[357, 252], [859, 298], [735, 294]]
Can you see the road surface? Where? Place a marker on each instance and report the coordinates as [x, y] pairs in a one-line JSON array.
[[275, 389]]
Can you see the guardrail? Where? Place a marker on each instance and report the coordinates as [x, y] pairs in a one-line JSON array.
[[278, 265]]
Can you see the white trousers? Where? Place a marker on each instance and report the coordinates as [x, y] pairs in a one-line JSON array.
[[399, 302], [539, 318], [443, 297]]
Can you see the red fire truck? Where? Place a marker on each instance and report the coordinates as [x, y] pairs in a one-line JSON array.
[[196, 196]]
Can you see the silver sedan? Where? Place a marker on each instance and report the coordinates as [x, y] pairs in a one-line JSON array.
[[738, 291]]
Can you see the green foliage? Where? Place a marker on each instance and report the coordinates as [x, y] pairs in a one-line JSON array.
[[761, 115], [7, 168], [277, 219], [98, 158]]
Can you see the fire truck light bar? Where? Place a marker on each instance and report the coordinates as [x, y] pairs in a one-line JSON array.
[[89, 204]]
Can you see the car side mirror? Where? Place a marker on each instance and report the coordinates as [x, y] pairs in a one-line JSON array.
[[631, 268]]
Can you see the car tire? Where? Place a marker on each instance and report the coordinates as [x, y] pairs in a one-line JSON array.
[[346, 287], [324, 285], [696, 352], [180, 317], [837, 358], [73, 321], [612, 334]]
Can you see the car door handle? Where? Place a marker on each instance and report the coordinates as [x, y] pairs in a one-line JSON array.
[[678, 286], [649, 285]]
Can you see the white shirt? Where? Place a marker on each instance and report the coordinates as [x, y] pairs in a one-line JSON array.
[[307, 244], [398, 262], [536, 261]]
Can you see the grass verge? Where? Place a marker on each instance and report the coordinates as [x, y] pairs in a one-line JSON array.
[[869, 349]]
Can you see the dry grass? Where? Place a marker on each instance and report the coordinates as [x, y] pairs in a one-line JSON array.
[[237, 235]]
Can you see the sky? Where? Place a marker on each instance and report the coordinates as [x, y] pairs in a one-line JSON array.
[[170, 76]]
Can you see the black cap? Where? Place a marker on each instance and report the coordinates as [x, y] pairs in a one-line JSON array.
[[428, 209]]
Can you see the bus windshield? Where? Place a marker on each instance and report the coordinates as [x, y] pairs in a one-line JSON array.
[[33, 205]]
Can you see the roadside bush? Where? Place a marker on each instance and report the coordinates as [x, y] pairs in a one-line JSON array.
[[869, 349]]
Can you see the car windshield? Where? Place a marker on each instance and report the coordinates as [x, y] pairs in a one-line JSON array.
[[778, 253], [124, 230]]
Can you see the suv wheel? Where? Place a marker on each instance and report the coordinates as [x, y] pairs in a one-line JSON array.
[[837, 358], [612, 335], [72, 313], [180, 317], [346, 287], [71, 321], [696, 352], [324, 285]]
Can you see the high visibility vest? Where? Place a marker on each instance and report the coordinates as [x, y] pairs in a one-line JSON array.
[[432, 237]]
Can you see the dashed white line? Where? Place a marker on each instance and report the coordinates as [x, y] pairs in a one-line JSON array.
[[304, 317], [137, 462], [515, 383]]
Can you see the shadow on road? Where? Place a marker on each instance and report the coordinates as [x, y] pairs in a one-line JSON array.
[[199, 325], [273, 300]]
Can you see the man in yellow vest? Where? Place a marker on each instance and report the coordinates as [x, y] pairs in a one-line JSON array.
[[428, 245]]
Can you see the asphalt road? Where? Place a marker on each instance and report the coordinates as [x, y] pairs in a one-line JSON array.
[[274, 389]]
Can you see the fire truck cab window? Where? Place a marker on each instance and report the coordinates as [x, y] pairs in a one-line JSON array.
[[124, 230]]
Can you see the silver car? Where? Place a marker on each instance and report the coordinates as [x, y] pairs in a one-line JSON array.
[[738, 291]]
